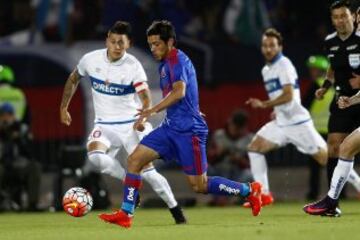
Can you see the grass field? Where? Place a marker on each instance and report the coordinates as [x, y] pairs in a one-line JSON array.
[[281, 221]]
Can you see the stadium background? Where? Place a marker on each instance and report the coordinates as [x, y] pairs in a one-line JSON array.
[[228, 64]]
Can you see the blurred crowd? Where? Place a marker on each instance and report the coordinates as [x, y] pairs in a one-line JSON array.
[[212, 21]]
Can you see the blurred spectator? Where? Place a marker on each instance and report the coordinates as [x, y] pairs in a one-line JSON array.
[[13, 95], [319, 111], [53, 18], [246, 20], [19, 170], [227, 152]]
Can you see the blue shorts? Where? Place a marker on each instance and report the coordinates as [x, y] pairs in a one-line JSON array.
[[187, 149]]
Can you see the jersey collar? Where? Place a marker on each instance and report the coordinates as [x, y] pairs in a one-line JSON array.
[[276, 58], [172, 55], [118, 62]]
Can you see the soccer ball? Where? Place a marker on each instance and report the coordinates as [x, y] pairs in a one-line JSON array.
[[77, 202]]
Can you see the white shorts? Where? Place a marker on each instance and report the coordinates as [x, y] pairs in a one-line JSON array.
[[304, 136], [116, 136]]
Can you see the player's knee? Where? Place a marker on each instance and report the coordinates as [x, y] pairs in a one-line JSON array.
[[347, 149], [134, 165], [95, 158], [199, 188]]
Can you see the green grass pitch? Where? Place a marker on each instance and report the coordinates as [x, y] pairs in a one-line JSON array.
[[281, 221]]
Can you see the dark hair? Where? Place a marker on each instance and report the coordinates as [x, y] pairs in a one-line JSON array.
[[164, 29], [121, 27], [239, 118], [272, 32], [339, 4]]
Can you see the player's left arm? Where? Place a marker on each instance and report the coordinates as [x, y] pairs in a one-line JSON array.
[[176, 94]]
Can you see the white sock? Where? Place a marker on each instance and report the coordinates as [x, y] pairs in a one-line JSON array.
[[259, 170], [354, 179], [106, 164], [160, 185], [340, 176]]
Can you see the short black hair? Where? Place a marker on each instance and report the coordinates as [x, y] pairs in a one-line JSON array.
[[340, 4], [239, 117], [163, 28], [121, 27], [272, 32]]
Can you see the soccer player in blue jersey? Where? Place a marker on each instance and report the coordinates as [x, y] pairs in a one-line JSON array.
[[182, 134]]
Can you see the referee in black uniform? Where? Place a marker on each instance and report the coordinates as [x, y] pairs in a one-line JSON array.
[[343, 51]]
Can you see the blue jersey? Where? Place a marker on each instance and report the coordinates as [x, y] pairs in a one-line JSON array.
[[184, 116]]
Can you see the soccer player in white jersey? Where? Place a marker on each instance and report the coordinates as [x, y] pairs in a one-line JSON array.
[[117, 78], [291, 123], [348, 149]]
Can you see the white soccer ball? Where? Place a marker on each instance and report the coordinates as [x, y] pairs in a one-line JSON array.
[[77, 202]]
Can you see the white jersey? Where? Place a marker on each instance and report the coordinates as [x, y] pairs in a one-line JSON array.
[[113, 85], [276, 75]]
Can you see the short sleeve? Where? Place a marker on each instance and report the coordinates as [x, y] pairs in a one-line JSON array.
[[81, 67], [140, 75], [287, 75], [177, 72]]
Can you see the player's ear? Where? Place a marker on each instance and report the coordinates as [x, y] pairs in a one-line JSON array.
[[171, 43]]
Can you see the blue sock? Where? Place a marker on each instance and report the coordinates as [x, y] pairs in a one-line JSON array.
[[226, 187], [131, 191]]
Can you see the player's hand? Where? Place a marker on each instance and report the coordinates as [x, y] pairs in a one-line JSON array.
[[355, 81], [319, 94], [65, 117], [139, 125], [255, 103], [144, 114], [344, 102]]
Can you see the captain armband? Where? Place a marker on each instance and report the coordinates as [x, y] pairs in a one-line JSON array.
[[140, 86]]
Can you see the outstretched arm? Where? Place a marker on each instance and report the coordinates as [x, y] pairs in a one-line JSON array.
[[285, 97], [175, 95], [145, 97], [69, 90]]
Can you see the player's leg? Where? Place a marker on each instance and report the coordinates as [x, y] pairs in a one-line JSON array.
[[149, 149], [257, 149], [328, 205], [99, 142], [157, 181], [191, 154], [340, 125]]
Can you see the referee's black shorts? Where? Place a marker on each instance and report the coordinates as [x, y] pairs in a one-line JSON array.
[[344, 120]]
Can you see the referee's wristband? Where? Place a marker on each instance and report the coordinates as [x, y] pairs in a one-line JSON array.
[[327, 84]]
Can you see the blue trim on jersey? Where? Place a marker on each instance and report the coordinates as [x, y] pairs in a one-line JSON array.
[[120, 122], [273, 85], [112, 89]]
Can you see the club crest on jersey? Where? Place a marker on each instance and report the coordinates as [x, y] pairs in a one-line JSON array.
[[354, 60], [162, 72], [96, 134]]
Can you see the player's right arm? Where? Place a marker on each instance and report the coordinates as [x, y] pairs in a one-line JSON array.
[[69, 90], [330, 79]]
